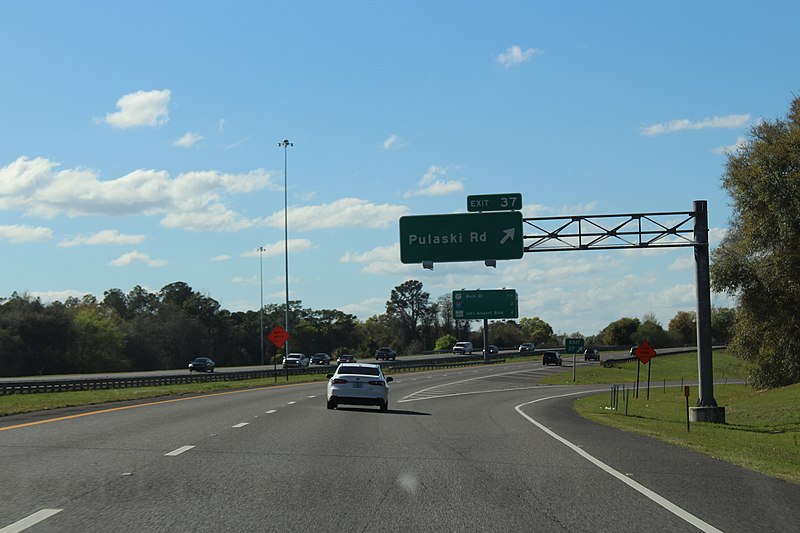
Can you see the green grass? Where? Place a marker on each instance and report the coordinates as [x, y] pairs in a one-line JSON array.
[[761, 433], [762, 429], [669, 368], [26, 403]]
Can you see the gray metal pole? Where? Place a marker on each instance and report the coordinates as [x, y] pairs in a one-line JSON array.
[[704, 363], [286, 144], [261, 309], [485, 339]]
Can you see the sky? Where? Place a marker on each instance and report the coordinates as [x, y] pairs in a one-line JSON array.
[[139, 143]]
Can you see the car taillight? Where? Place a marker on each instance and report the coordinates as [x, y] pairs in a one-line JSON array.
[[338, 381], [377, 383]]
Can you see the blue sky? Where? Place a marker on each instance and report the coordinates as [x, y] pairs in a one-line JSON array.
[[139, 142]]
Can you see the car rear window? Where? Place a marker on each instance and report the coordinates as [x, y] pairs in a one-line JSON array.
[[361, 370]]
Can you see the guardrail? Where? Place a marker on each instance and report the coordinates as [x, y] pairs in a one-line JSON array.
[[66, 385]]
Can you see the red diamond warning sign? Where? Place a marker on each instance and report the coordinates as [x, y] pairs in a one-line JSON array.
[[644, 352], [278, 336]]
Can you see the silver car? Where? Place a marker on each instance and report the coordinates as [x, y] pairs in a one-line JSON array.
[[358, 384], [296, 360]]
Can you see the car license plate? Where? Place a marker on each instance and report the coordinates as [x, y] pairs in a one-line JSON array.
[[357, 385]]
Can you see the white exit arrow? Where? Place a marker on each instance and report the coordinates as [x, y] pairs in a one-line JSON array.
[[508, 234]]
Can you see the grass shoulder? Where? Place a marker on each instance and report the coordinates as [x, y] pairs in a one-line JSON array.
[[762, 430]]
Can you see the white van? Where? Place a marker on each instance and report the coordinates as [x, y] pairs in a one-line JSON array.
[[464, 348]]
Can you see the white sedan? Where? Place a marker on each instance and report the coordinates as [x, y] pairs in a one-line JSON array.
[[358, 384]]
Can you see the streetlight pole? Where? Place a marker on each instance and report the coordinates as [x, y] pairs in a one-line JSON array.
[[286, 144], [261, 309]]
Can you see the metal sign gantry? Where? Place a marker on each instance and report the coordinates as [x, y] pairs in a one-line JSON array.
[[643, 230]]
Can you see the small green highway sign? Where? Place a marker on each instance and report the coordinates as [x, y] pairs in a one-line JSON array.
[[494, 202], [573, 345], [489, 304], [461, 237]]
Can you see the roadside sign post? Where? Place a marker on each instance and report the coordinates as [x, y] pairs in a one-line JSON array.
[[644, 352], [573, 346], [278, 336], [485, 304], [686, 394]]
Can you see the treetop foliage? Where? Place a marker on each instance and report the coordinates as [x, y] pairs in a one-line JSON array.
[[758, 260]]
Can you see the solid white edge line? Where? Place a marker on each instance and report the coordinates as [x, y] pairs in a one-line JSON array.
[[29, 521], [660, 500], [178, 451]]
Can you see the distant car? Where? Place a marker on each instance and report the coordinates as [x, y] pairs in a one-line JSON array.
[[464, 348], [633, 351], [526, 347], [320, 358], [296, 360], [345, 359], [591, 355], [201, 364], [358, 384], [551, 358], [385, 352], [491, 350]]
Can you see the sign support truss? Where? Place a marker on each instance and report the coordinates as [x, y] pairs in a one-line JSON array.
[[643, 230], [608, 232]]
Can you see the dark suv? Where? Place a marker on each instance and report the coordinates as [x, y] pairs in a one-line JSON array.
[[591, 355], [551, 358], [385, 352]]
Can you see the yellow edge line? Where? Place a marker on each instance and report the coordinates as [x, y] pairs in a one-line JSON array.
[[49, 420]]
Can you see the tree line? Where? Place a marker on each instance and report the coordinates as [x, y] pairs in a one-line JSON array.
[[142, 330]]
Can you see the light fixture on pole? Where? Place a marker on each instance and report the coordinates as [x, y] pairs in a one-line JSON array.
[[261, 309], [286, 144]]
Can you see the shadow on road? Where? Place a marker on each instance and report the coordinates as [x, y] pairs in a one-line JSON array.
[[377, 411]]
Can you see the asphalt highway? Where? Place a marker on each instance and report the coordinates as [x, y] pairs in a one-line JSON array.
[[469, 449]]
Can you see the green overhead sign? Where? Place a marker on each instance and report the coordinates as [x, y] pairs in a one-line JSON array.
[[494, 202], [461, 237], [488, 304]]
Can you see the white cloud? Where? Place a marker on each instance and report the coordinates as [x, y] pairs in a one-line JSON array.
[[57, 296], [380, 260], [142, 108], [514, 56], [195, 201], [278, 248], [728, 122], [221, 125], [734, 148], [188, 140], [434, 184], [137, 257], [105, 237], [343, 213], [252, 280], [393, 142], [220, 258], [684, 262], [21, 233]]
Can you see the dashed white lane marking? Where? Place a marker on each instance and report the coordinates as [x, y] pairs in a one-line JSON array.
[[178, 451], [240, 424], [270, 411], [30, 520], [290, 403], [313, 396], [660, 500]]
